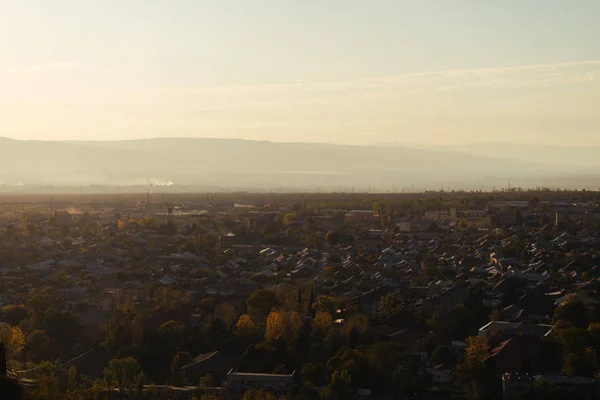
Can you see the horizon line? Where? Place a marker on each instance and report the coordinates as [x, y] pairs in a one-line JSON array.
[[375, 144]]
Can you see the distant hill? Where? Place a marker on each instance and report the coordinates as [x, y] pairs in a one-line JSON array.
[[576, 156], [238, 164]]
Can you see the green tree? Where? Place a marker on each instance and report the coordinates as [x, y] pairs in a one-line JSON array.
[[226, 313], [573, 311], [314, 375], [171, 333], [324, 304], [339, 388], [580, 364], [385, 357], [180, 360], [332, 237], [39, 345], [258, 394], [261, 302], [122, 373], [39, 305], [14, 314], [119, 334]]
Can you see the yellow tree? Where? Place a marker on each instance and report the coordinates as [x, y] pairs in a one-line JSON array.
[[258, 394], [245, 326], [13, 340], [470, 371], [275, 326], [322, 321], [293, 324], [226, 313]]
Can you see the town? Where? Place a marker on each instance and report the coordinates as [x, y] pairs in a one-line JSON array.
[[432, 295]]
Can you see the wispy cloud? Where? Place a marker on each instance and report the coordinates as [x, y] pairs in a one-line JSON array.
[[502, 77]]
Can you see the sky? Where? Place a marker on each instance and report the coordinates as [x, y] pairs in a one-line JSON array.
[[427, 72]]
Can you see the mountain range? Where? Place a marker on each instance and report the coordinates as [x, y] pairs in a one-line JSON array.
[[232, 164]]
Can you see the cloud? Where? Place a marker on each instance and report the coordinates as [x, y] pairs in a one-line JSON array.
[[501, 77]]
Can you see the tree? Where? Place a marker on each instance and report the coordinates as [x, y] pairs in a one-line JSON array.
[[463, 319], [322, 321], [137, 330], [171, 333], [471, 370], [283, 327], [226, 313], [360, 322], [261, 302], [293, 324], [206, 381], [324, 304], [169, 299], [580, 364], [314, 375], [385, 357], [339, 388], [258, 394], [275, 326], [64, 329], [311, 240], [39, 305], [181, 359], [410, 381], [14, 314], [39, 345], [288, 218], [13, 340], [333, 237], [245, 327], [119, 334], [122, 372], [207, 305], [573, 311], [594, 332]]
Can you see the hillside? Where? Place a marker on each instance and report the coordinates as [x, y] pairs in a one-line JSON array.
[[252, 164]]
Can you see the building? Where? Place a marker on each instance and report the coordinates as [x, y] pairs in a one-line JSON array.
[[514, 329], [360, 215], [216, 363], [521, 386], [445, 301], [280, 385]]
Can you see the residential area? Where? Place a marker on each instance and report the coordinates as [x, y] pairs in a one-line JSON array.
[[436, 295]]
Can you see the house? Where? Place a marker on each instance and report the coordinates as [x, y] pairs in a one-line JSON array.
[[280, 385], [216, 363], [329, 222], [445, 301], [517, 386], [413, 340], [360, 215], [513, 329], [440, 374], [517, 354], [369, 243]]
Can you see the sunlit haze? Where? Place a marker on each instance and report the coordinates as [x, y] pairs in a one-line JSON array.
[[337, 71]]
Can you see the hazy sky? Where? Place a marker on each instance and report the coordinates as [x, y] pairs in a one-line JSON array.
[[342, 71]]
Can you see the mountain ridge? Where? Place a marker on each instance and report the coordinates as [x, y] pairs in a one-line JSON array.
[[263, 164]]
